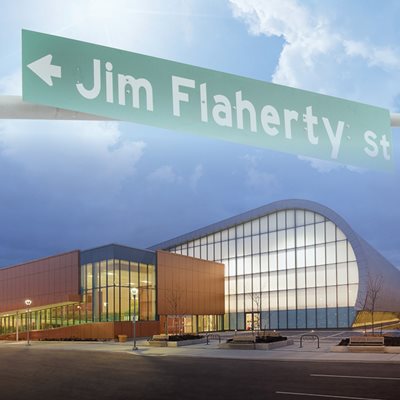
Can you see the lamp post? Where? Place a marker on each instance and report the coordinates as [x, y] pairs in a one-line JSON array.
[[28, 302], [17, 325], [79, 311], [134, 293]]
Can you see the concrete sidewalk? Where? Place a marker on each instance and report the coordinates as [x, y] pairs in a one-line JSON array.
[[309, 351]]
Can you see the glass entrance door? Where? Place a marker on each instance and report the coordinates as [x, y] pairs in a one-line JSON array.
[[252, 321]]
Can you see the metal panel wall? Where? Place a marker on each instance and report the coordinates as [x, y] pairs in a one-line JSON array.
[[46, 281], [189, 286]]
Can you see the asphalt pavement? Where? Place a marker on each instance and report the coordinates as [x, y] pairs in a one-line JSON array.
[[112, 371]]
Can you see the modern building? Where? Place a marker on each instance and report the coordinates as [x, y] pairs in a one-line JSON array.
[[88, 294], [292, 264], [295, 264]]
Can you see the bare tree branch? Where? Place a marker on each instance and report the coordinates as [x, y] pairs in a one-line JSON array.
[[373, 290], [256, 299], [174, 305]]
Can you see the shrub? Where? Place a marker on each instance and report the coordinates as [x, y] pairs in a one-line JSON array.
[[392, 341], [188, 336], [270, 339]]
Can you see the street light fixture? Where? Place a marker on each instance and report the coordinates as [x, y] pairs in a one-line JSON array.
[[134, 293], [28, 302], [79, 308]]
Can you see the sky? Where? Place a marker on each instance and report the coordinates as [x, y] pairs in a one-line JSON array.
[[75, 185]]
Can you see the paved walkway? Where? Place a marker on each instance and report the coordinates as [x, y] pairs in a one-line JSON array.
[[309, 351]]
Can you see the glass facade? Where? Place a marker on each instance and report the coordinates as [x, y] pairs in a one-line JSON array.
[[194, 324], [46, 318], [107, 275], [106, 296], [106, 289], [290, 269]]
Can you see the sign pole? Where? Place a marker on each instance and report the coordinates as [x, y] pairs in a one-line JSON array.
[[28, 303]]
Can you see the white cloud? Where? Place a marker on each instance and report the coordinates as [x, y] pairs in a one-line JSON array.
[[382, 57], [133, 25], [195, 177], [256, 177], [320, 56], [164, 174], [11, 84], [323, 166], [91, 153], [260, 179], [167, 175]]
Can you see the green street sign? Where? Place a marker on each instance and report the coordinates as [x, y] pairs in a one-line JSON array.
[[121, 85]]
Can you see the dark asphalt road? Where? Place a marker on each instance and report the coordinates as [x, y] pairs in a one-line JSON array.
[[27, 373]]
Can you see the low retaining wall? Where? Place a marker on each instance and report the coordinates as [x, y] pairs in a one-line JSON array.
[[166, 343], [255, 346], [366, 349], [91, 331]]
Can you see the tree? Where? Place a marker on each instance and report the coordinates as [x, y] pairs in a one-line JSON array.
[[372, 294], [174, 306], [256, 299], [375, 285]]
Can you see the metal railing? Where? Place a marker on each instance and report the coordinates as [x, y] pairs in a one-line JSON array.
[[309, 335], [214, 336]]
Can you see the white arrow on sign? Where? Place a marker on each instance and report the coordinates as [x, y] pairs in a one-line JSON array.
[[45, 70]]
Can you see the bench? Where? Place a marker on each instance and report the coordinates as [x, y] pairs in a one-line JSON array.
[[240, 342], [268, 333], [244, 339], [160, 337], [367, 341]]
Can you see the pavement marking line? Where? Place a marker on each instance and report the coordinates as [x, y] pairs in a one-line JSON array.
[[331, 396], [356, 377]]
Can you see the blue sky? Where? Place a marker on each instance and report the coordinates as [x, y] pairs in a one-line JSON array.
[[68, 185]]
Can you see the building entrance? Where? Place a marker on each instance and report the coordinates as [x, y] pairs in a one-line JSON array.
[[252, 321]]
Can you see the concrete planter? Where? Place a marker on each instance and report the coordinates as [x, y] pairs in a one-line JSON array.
[[366, 349], [256, 346], [157, 343], [166, 343], [186, 342], [339, 349], [273, 345], [392, 349], [162, 336]]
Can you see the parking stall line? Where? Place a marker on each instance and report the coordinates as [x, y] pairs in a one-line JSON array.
[[356, 377], [331, 396]]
